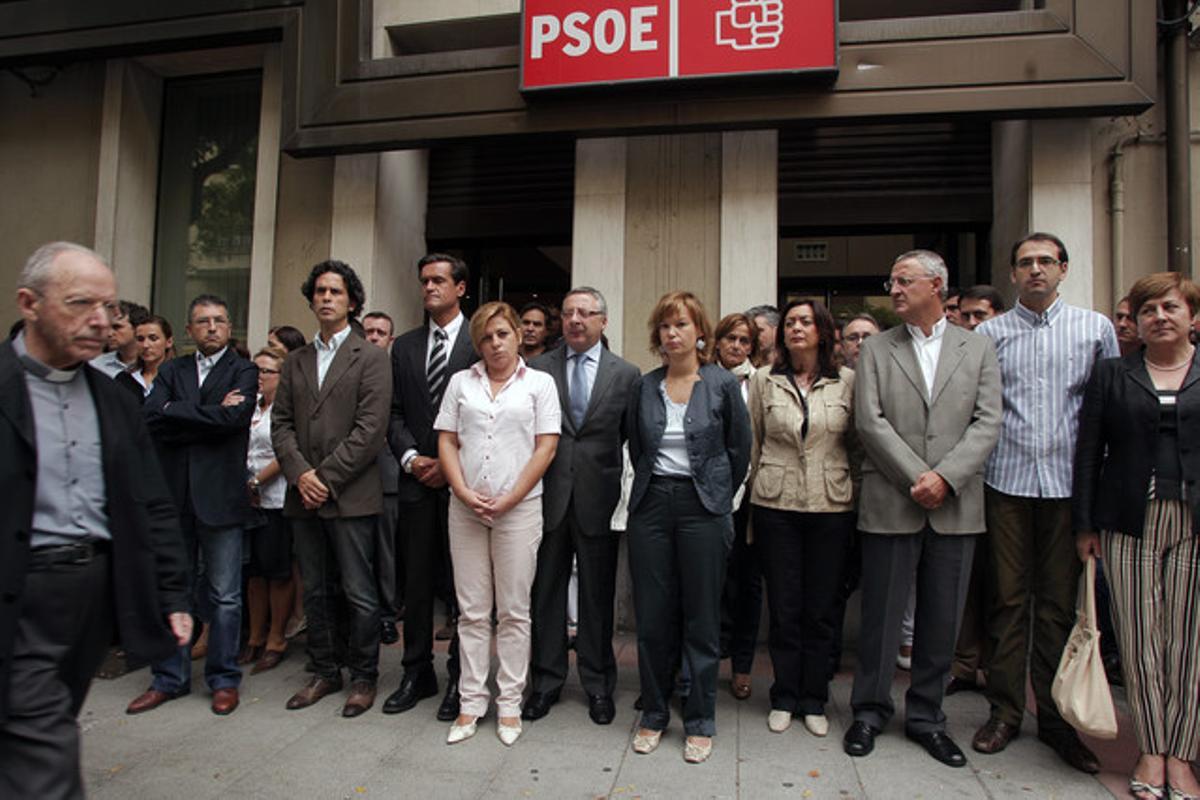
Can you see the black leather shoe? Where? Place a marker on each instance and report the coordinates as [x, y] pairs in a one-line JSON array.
[[448, 710], [1071, 750], [538, 705], [940, 746], [413, 689], [388, 633], [860, 739], [957, 685], [601, 708]]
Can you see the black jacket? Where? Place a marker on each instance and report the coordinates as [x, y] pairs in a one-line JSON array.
[[201, 443], [717, 427], [1114, 456], [148, 563]]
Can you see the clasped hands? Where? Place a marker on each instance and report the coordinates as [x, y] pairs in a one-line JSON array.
[[930, 490], [484, 507]]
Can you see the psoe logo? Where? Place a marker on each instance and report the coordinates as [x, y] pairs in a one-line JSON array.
[[750, 24]]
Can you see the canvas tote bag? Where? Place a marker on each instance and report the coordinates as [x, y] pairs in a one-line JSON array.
[[1080, 687]]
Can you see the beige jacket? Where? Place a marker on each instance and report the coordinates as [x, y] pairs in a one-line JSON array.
[[795, 472]]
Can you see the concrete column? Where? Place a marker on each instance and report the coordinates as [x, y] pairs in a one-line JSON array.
[[598, 230], [1060, 199], [266, 194], [749, 219], [127, 182]]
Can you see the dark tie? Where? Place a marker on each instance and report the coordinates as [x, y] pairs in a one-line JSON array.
[[579, 389], [436, 373]]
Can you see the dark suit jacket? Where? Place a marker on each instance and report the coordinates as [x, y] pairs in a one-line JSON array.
[[1114, 455], [148, 563], [201, 443], [718, 435], [337, 429], [588, 463], [413, 413]]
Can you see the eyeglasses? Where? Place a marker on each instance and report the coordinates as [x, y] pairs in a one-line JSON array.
[[855, 338], [79, 307], [904, 281], [581, 313], [1045, 262], [265, 371], [205, 322]]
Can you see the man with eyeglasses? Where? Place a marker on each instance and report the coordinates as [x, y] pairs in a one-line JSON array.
[[854, 334], [199, 414], [89, 535], [1047, 349]]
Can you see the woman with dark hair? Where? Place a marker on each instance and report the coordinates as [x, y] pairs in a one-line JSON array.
[[689, 441], [289, 339], [155, 345], [286, 337], [1135, 505], [802, 498], [741, 602]]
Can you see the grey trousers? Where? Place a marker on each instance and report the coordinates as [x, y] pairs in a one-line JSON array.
[[943, 572]]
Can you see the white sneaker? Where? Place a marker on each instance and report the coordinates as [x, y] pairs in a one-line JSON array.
[[817, 724], [508, 733], [904, 658], [779, 721], [460, 733]]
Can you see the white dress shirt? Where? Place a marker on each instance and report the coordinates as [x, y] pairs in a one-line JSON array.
[[927, 350], [326, 352], [451, 330], [204, 364]]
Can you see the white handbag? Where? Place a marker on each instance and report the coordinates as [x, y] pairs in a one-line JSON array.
[[1080, 687]]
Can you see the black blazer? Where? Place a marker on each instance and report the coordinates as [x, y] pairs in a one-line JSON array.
[[718, 435], [588, 463], [148, 564], [411, 426], [1114, 455], [201, 443]]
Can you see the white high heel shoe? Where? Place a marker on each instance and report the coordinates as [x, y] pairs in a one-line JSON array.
[[817, 724], [460, 733], [508, 733]]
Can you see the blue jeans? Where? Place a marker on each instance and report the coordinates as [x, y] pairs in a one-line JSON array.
[[220, 595]]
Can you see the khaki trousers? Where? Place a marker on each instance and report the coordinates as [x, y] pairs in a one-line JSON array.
[[496, 561]]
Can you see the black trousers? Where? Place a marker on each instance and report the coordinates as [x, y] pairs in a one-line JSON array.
[[63, 631], [425, 540], [943, 571], [741, 602], [677, 554], [332, 552], [804, 556], [597, 560]]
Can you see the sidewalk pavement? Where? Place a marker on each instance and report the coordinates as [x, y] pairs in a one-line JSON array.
[[182, 750]]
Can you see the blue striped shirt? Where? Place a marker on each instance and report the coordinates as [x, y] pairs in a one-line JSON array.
[[1045, 362]]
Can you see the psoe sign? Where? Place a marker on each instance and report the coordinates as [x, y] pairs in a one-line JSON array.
[[586, 42]]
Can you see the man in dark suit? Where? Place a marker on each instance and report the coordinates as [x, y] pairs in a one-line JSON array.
[[422, 362], [199, 414], [581, 489], [927, 411], [327, 427], [89, 543]]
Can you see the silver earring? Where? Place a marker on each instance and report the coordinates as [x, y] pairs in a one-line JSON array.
[[699, 344]]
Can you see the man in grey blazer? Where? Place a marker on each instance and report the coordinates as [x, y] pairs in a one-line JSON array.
[[581, 489], [927, 409]]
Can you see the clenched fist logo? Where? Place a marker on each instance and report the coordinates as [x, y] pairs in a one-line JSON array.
[[750, 24]]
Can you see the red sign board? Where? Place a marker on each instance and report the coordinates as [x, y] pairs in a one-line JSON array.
[[586, 42]]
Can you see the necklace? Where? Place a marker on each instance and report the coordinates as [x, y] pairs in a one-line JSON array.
[[1161, 368]]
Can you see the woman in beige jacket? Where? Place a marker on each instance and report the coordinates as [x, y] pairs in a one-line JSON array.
[[802, 501]]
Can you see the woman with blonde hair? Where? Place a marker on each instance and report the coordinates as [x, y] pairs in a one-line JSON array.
[[498, 430], [689, 441]]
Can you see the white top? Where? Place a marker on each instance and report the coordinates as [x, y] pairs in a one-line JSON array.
[[259, 453], [928, 349], [141, 379], [204, 364], [326, 352], [672, 457], [496, 434]]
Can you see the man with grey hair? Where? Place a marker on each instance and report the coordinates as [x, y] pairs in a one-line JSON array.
[[90, 535], [855, 332], [927, 412], [766, 318], [582, 487]]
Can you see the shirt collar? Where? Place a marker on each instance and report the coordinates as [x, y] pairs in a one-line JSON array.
[[1033, 318], [35, 367], [211, 361], [592, 353], [479, 369], [335, 341], [451, 329], [939, 328]]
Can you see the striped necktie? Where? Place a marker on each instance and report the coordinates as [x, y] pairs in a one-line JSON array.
[[436, 372]]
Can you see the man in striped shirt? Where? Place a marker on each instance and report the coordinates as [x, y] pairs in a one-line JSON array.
[[1047, 350]]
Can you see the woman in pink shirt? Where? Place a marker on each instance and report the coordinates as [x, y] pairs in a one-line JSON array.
[[498, 430]]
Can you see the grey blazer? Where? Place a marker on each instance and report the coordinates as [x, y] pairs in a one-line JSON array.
[[718, 435], [903, 433], [588, 463]]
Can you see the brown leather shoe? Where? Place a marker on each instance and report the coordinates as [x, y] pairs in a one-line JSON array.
[[362, 697], [250, 653], [1071, 750], [150, 700], [994, 736], [739, 687], [224, 701], [270, 660], [314, 691]]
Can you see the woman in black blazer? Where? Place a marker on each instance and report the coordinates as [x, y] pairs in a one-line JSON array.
[[689, 440], [1137, 502]]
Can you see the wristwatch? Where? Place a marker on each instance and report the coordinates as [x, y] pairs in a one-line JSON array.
[[254, 484]]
